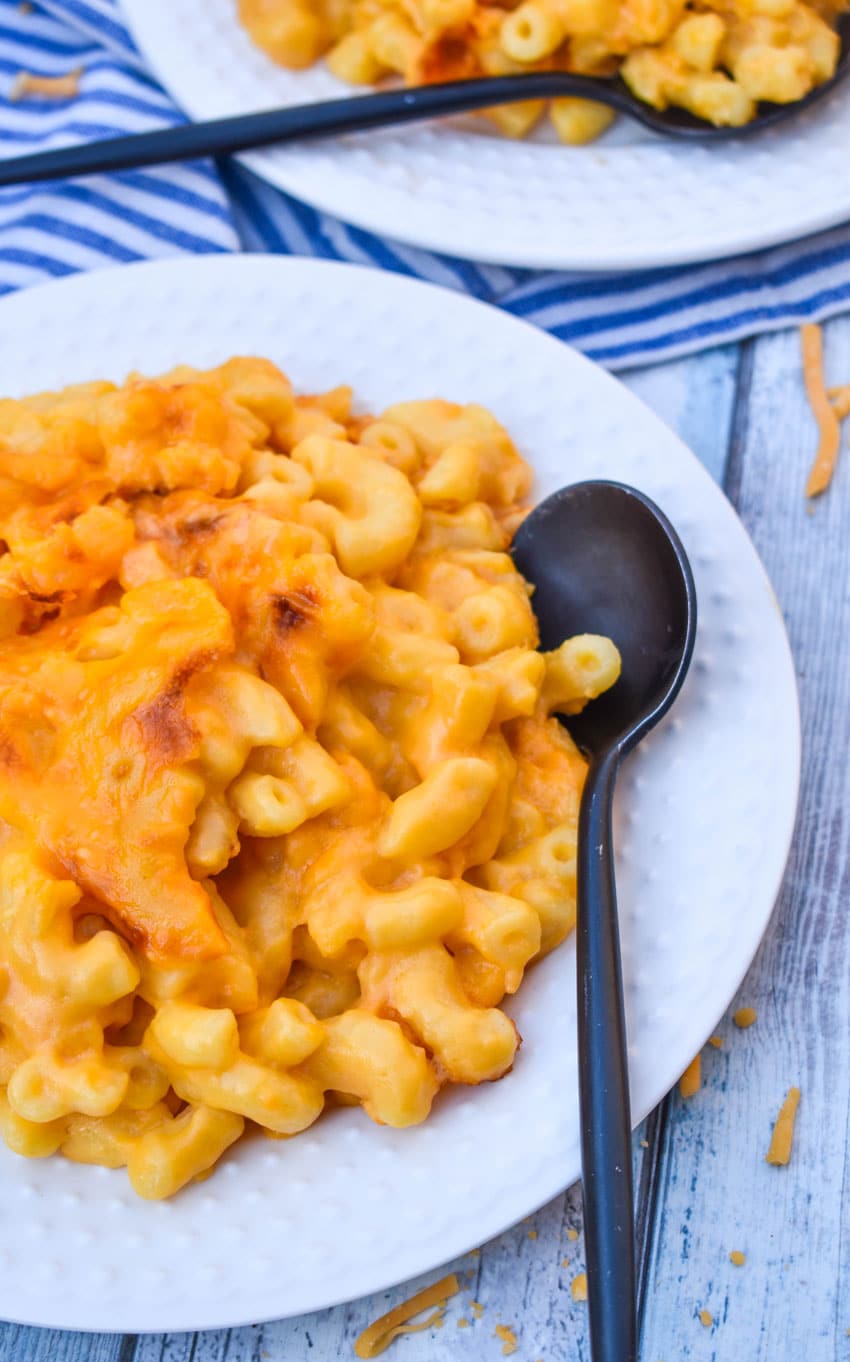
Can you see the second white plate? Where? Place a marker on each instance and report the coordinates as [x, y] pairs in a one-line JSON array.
[[629, 202], [703, 822]]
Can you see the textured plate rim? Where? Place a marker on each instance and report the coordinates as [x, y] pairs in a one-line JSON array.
[[394, 225], [554, 1181]]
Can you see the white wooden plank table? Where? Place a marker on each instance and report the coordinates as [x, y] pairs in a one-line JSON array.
[[703, 1187]]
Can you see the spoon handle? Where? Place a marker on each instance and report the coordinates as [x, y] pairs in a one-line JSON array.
[[603, 1081], [358, 113]]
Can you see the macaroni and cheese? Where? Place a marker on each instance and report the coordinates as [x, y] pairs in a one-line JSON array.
[[716, 58], [283, 813]]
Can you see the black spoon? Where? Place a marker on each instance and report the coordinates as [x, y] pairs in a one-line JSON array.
[[246, 132], [603, 559]]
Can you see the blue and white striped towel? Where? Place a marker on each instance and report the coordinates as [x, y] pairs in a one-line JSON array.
[[48, 231]]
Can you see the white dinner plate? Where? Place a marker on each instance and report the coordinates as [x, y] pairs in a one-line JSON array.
[[704, 817], [630, 201]]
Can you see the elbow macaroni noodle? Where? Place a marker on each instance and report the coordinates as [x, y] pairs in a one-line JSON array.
[[716, 58], [283, 813]]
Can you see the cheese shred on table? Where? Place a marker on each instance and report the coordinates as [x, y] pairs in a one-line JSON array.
[[839, 400], [811, 339], [782, 1138], [380, 1335], [691, 1079], [508, 1337], [26, 85], [737, 1257], [578, 1287], [744, 1017]]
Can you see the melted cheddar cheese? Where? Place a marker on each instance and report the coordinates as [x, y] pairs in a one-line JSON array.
[[283, 812]]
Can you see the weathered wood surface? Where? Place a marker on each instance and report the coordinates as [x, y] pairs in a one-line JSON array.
[[703, 1187], [792, 1298]]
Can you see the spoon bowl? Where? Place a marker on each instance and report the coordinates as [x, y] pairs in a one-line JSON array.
[[682, 125], [604, 559]]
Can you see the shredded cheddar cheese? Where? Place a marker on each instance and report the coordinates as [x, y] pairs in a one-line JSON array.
[[508, 1337], [578, 1287], [565, 1262], [26, 84], [840, 400], [378, 1337], [532, 1234], [477, 1308], [744, 1017], [811, 338], [782, 1138], [572, 1234], [691, 1079], [463, 1322], [716, 1041], [737, 1257], [706, 1319]]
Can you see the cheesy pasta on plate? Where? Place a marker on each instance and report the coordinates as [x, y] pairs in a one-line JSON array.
[[284, 816], [715, 58]]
